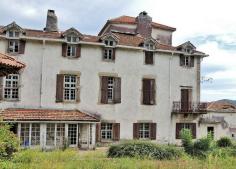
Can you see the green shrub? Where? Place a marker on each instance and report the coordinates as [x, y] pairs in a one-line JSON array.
[[224, 142], [187, 143], [144, 149], [8, 142]]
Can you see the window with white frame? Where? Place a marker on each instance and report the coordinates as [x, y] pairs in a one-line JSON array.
[[35, 134], [108, 54], [149, 46], [11, 87], [110, 89], [71, 50], [187, 60], [71, 39], [60, 134], [90, 133], [144, 131], [13, 46], [24, 134], [50, 136], [70, 83], [109, 42], [13, 33], [72, 134], [106, 131]]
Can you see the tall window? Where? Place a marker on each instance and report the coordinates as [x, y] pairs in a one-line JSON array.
[[60, 134], [11, 88], [149, 91], [71, 50], [13, 46], [70, 87], [110, 89], [72, 134], [24, 134], [106, 131], [144, 130], [149, 57], [35, 134], [109, 50], [50, 137], [108, 54]]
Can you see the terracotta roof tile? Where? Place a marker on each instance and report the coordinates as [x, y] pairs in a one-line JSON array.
[[221, 106], [45, 115], [7, 60]]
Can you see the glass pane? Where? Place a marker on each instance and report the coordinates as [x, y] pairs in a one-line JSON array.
[[72, 134], [50, 137]]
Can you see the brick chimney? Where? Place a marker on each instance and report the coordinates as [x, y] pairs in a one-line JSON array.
[[144, 27], [51, 23]]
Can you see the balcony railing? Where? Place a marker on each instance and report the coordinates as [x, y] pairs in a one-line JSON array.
[[189, 107]]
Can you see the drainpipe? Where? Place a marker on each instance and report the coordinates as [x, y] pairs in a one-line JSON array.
[[170, 100], [41, 75]]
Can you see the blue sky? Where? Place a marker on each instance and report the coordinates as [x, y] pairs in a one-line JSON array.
[[210, 25]]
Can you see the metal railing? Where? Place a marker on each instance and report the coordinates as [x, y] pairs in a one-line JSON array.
[[189, 107]]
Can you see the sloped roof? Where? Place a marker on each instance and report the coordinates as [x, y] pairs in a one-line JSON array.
[[46, 115], [221, 106]]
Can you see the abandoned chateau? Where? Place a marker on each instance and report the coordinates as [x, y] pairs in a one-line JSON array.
[[128, 82]]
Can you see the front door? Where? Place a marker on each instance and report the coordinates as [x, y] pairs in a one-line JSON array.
[[72, 135], [184, 100]]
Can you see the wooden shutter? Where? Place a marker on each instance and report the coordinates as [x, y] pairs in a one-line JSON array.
[[78, 51], [153, 130], [148, 57], [114, 54], [59, 88], [117, 90], [116, 131], [64, 49], [135, 130], [152, 91], [146, 91], [98, 132], [78, 89], [182, 59], [104, 86], [22, 47], [177, 130], [193, 129], [1, 88], [192, 61]]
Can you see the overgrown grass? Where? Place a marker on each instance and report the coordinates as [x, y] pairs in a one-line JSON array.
[[74, 159]]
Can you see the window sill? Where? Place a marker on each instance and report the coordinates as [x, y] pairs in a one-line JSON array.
[[108, 61], [106, 140], [187, 67], [11, 100]]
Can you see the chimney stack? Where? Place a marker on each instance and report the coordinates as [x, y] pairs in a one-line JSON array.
[[51, 24], [144, 27]]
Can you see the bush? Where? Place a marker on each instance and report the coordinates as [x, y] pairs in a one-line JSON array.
[[199, 148], [144, 149], [224, 142], [8, 142]]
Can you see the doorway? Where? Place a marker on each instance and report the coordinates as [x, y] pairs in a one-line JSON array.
[[210, 130], [186, 100]]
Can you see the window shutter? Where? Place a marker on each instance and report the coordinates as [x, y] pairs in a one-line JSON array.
[[146, 91], [104, 86], [153, 130], [152, 91], [193, 128], [78, 50], [22, 47], [148, 57], [177, 130], [181, 60], [117, 90], [78, 89], [192, 61], [59, 88], [136, 131], [64, 49], [1, 88], [116, 131], [114, 54], [98, 132]]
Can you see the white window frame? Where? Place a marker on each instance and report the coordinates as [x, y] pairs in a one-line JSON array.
[[106, 131], [14, 45], [75, 137], [60, 134], [70, 88], [12, 88], [108, 54], [149, 46], [187, 61], [72, 39], [25, 134], [52, 127], [110, 89], [109, 42], [144, 131], [35, 134], [69, 50], [15, 34]]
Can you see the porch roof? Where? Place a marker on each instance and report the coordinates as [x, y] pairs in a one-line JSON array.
[[46, 115]]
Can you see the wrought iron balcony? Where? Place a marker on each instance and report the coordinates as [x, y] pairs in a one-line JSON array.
[[189, 107]]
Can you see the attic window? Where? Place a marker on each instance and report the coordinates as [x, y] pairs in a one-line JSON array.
[[109, 42], [188, 50], [13, 34], [71, 39], [149, 46]]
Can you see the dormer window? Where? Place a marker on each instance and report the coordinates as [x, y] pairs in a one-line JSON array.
[[186, 60], [71, 39], [109, 42], [109, 50], [13, 34], [149, 46]]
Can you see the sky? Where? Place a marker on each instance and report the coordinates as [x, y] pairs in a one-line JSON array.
[[209, 24]]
